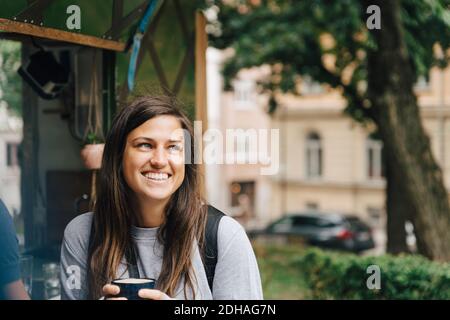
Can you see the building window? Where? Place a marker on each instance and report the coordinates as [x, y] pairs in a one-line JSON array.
[[313, 156], [422, 83], [238, 189], [243, 148], [309, 86], [375, 216], [243, 93], [243, 200], [12, 154], [312, 206], [374, 157]]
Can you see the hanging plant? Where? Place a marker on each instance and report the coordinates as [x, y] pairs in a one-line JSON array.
[[92, 151]]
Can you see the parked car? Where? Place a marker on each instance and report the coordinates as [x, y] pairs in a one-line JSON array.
[[326, 230]]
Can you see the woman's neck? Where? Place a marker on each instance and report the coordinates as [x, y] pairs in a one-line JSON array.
[[150, 214]]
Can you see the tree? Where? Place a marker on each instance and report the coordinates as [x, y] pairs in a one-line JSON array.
[[375, 71], [396, 113], [10, 82]]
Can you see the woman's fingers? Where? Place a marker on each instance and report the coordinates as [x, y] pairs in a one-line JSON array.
[[110, 290], [153, 294]]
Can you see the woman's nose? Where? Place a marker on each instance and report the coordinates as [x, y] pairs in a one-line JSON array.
[[159, 158]]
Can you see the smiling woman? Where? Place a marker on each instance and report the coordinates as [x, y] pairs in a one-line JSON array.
[[153, 162], [149, 220]]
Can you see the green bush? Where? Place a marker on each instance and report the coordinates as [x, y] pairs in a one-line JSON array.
[[335, 275], [281, 279]]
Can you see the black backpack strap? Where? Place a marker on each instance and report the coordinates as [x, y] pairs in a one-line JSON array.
[[131, 258], [210, 253]]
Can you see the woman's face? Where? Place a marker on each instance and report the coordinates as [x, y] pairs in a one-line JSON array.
[[153, 160]]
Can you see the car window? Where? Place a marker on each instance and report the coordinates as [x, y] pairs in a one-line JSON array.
[[282, 225], [357, 224], [312, 222], [301, 221], [323, 223]]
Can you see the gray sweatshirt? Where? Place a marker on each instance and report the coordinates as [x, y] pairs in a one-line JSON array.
[[236, 277]]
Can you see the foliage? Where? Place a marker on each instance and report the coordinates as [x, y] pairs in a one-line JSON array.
[[93, 138], [10, 82], [344, 276], [296, 272], [326, 40], [280, 277]]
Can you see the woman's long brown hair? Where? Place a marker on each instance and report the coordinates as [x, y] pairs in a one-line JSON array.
[[185, 216]]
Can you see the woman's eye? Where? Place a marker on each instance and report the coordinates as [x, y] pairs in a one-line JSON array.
[[144, 145], [175, 147]]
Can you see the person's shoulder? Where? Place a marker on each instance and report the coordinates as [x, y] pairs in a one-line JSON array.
[[228, 228], [231, 237], [3, 209], [6, 221], [79, 228], [230, 225], [227, 224]]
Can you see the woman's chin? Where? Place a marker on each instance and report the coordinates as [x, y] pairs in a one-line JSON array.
[[158, 196]]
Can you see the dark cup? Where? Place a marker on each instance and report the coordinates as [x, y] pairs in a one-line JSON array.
[[130, 287]]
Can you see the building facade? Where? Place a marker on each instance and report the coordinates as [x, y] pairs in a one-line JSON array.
[[10, 139], [328, 162]]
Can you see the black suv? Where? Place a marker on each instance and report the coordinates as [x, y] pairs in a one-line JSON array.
[[326, 230]]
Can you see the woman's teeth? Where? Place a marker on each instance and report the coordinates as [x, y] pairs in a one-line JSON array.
[[156, 176]]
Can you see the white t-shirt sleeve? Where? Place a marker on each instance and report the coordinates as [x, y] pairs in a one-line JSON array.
[[237, 275]]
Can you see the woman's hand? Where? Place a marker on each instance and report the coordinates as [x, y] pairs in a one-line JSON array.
[[153, 294], [111, 291]]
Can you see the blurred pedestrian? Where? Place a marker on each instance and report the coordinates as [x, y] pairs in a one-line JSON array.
[[11, 285]]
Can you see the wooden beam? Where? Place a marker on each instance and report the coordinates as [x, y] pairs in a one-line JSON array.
[[29, 176], [201, 43], [34, 11], [59, 35], [127, 20], [187, 60], [158, 66], [109, 88], [117, 13], [181, 18]]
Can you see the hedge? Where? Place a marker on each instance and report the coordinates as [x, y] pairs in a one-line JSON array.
[[335, 275]]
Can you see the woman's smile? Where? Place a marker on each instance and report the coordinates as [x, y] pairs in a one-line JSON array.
[[159, 177]]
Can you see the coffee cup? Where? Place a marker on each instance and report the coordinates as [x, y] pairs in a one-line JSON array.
[[130, 287]]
